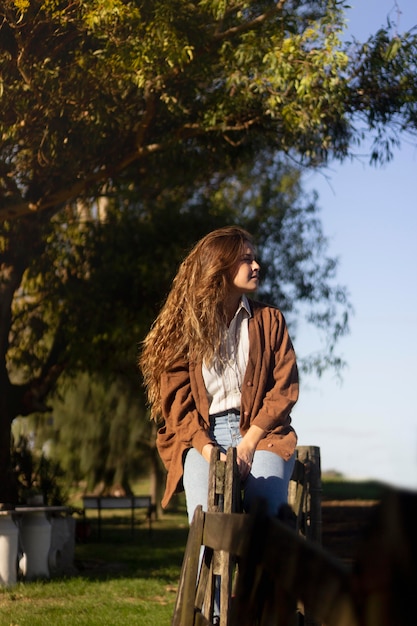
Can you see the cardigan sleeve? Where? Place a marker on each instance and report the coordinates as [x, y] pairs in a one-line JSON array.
[[274, 380]]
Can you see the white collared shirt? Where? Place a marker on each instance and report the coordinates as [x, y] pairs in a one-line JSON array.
[[224, 378]]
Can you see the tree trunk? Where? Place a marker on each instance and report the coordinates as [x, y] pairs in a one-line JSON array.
[[10, 278], [8, 492]]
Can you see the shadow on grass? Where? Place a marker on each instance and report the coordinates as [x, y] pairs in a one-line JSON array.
[[155, 553]]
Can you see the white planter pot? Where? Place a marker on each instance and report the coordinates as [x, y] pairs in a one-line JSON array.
[[35, 536], [8, 550]]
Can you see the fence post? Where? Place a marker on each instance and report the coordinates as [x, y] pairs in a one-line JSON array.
[[310, 457]]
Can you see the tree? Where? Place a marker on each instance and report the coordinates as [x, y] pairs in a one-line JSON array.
[[89, 88], [164, 96], [101, 281]]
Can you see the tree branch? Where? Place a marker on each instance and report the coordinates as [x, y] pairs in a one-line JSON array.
[[59, 198], [255, 23]]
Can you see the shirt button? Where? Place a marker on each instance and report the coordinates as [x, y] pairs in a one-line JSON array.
[[249, 383]]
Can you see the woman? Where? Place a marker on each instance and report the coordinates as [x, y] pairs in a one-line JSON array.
[[220, 370]]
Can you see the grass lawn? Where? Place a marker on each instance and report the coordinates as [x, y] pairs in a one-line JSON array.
[[339, 489], [122, 579]]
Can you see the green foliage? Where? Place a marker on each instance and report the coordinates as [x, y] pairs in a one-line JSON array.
[[98, 431], [384, 65], [101, 280], [89, 88], [37, 475]]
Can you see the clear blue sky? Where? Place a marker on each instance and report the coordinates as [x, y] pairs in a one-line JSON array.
[[366, 427]]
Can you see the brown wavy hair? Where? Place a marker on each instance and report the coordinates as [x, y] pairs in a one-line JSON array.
[[191, 321]]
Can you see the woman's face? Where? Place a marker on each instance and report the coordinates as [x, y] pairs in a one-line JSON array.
[[246, 278]]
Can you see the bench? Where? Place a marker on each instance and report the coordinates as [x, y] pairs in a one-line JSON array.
[[132, 503]]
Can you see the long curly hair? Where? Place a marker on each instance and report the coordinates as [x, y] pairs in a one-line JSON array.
[[190, 324]]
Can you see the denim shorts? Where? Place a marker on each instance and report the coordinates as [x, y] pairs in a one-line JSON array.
[[268, 479]]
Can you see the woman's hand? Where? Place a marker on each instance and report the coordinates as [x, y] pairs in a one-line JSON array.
[[246, 450], [245, 453], [206, 452]]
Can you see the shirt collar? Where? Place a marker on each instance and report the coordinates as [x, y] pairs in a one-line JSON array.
[[244, 304]]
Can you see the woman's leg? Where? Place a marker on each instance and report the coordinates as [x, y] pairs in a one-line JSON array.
[[195, 480], [268, 479]]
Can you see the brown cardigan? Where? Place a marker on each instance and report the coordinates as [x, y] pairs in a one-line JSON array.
[[269, 391]]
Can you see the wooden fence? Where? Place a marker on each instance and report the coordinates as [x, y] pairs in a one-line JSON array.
[[284, 577]]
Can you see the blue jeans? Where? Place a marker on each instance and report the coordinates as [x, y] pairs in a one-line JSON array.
[[268, 479]]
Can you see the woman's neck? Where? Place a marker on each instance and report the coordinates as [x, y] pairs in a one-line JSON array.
[[231, 307]]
